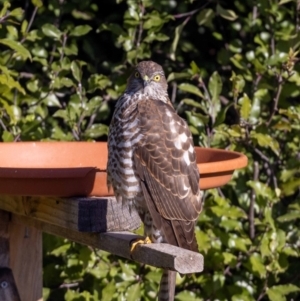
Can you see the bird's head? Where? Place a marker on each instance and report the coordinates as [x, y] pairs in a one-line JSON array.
[[148, 78]]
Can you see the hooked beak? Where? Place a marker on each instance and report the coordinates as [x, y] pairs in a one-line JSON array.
[[146, 80]]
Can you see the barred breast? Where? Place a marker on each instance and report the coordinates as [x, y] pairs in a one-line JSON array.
[[123, 135]]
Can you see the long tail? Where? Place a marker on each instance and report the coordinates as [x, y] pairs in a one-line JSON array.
[[167, 286]]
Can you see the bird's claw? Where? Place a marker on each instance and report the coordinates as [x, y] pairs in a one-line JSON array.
[[139, 241]]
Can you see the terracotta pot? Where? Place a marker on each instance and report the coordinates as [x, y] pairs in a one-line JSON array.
[[79, 168]]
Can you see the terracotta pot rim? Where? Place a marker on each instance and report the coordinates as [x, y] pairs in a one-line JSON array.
[[78, 168], [235, 161]]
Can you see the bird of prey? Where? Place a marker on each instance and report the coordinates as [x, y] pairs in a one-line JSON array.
[[152, 164]]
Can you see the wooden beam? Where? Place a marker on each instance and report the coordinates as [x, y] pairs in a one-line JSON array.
[[84, 214], [119, 243]]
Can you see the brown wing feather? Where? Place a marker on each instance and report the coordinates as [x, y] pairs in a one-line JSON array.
[[170, 181]]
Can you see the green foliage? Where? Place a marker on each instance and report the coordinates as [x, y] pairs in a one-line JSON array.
[[234, 75]]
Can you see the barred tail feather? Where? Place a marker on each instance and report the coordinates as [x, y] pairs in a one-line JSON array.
[[167, 286]]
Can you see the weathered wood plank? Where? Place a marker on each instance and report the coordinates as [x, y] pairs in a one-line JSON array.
[[84, 214], [26, 260], [105, 214], [118, 243]]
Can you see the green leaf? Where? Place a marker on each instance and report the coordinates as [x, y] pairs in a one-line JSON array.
[[245, 103], [284, 1], [80, 30], [187, 295], [76, 70], [178, 31], [7, 80], [134, 292], [37, 3], [231, 212], [266, 141], [237, 243], [227, 14], [193, 103], [17, 12], [198, 121], [290, 113], [203, 240], [274, 295], [256, 105], [51, 100], [229, 259], [3, 12], [13, 32], [278, 292], [215, 86], [191, 89], [98, 81], [17, 47], [205, 17], [290, 187], [51, 31], [178, 75], [222, 115], [238, 84], [289, 217], [154, 36], [261, 189], [93, 105], [195, 69], [7, 136], [264, 245], [257, 266], [14, 113], [96, 130], [24, 26], [108, 290]]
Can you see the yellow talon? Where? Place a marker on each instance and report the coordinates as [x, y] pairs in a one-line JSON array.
[[139, 241]]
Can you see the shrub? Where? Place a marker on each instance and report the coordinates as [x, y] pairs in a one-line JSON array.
[[233, 73]]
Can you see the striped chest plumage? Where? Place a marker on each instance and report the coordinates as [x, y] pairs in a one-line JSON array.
[[123, 135]]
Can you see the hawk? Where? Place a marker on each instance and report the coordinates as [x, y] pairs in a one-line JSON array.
[[152, 163]]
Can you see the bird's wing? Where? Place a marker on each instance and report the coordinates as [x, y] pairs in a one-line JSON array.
[[165, 161]]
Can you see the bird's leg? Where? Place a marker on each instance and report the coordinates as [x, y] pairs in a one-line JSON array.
[[147, 221], [139, 241]]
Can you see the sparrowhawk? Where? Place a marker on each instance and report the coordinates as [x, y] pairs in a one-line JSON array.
[[152, 163]]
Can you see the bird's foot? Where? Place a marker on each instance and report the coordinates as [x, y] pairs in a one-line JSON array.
[[139, 241]]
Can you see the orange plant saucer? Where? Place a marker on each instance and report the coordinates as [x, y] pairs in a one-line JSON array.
[[68, 169]]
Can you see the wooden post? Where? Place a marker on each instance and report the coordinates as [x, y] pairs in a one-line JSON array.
[[26, 260], [20, 260]]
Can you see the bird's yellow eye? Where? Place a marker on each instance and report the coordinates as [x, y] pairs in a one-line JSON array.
[[137, 75], [157, 78]]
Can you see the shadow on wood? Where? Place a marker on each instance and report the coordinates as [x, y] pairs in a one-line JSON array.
[[8, 289]]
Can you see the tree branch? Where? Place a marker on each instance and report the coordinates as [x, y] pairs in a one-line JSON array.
[[140, 32], [252, 203], [276, 99]]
